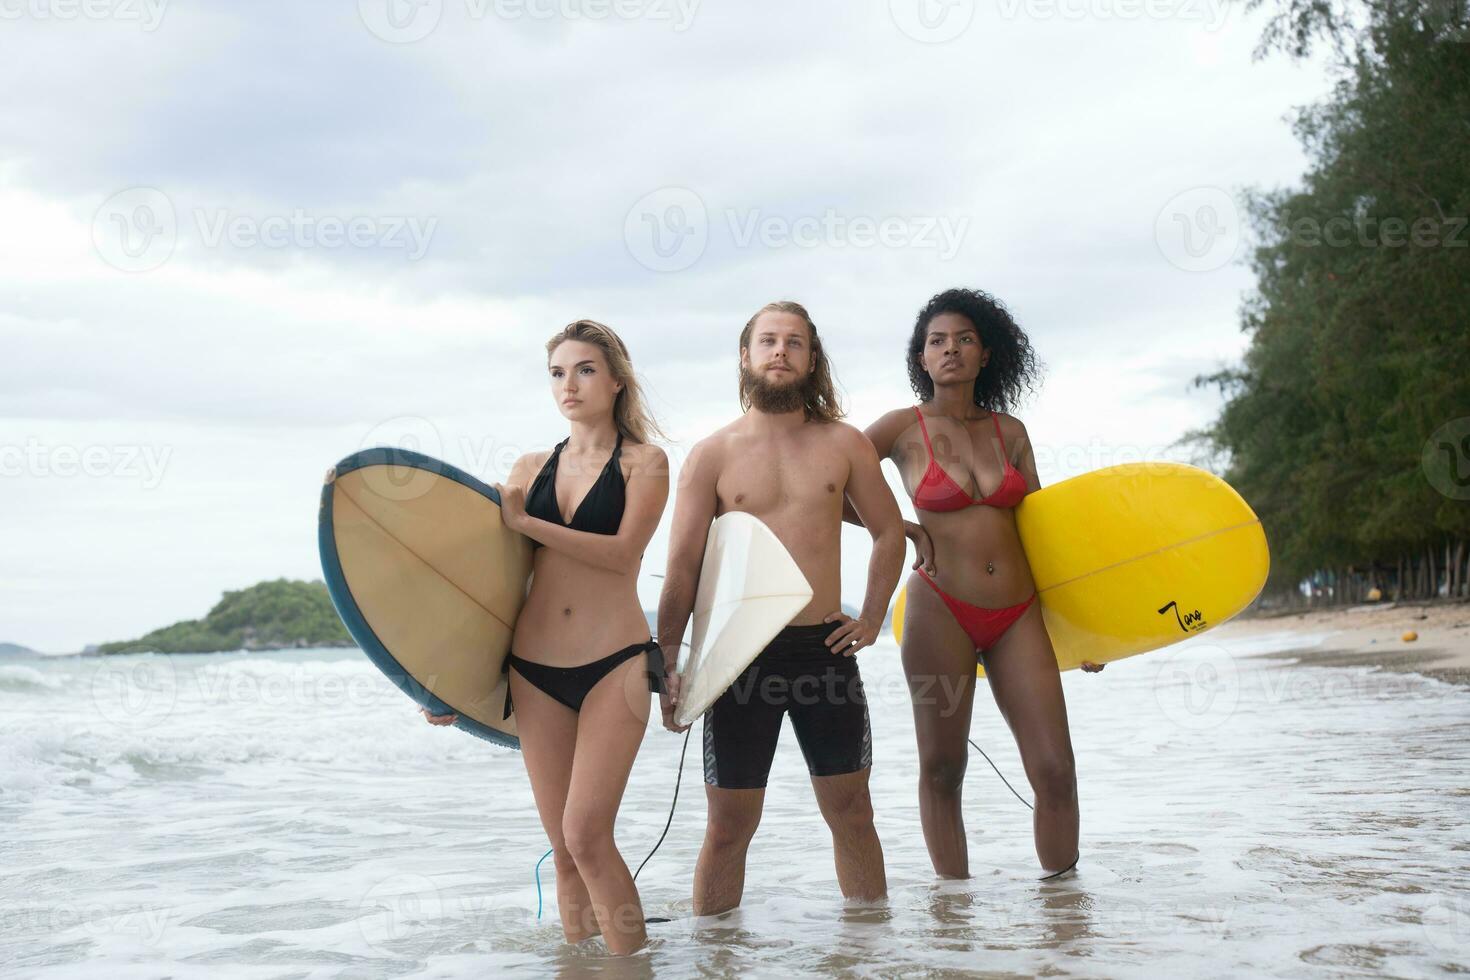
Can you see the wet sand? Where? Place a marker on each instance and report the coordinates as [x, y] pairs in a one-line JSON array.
[[1371, 635]]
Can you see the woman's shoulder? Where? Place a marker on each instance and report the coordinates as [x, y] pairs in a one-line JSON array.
[[1012, 429], [645, 457]]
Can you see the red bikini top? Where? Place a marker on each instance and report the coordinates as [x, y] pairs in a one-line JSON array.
[[937, 490]]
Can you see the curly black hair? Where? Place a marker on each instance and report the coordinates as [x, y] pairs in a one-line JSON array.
[[1013, 368]]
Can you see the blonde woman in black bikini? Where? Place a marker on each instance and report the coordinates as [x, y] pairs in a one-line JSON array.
[[967, 465], [581, 710]]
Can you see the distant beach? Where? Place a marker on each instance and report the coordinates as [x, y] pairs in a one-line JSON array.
[[1371, 635]]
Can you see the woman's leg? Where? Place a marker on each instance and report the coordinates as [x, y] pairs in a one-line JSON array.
[[612, 724], [548, 733], [1022, 669], [939, 661]]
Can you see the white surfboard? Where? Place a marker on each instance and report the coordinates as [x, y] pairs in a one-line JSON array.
[[749, 588]]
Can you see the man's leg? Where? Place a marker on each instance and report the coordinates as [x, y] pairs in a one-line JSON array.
[[719, 877], [848, 810], [740, 733], [829, 712]]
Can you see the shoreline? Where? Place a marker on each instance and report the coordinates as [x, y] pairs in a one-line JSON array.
[[1371, 635]]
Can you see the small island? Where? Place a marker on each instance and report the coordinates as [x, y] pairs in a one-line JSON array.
[[279, 615], [14, 648]]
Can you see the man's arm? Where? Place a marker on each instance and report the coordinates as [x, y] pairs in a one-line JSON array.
[[883, 434], [695, 503], [879, 513]]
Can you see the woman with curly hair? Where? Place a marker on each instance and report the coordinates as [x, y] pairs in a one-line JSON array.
[[966, 464]]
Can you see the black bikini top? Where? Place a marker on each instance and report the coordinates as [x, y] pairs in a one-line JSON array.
[[601, 510]]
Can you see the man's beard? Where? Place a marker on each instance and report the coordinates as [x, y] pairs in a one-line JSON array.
[[777, 398]]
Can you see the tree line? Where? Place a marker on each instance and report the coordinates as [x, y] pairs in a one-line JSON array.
[[1347, 424]]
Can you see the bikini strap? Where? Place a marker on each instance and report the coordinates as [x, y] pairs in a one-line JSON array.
[[1007, 455], [924, 429]]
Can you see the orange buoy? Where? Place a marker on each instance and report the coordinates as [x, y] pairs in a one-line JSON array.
[[1410, 636]]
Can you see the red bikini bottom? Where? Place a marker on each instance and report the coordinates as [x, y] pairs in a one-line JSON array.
[[983, 626]]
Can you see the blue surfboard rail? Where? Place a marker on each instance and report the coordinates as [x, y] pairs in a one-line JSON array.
[[347, 608]]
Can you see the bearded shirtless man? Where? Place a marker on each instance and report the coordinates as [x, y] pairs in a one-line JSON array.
[[790, 462]]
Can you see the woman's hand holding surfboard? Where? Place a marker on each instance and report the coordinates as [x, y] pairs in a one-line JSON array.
[[512, 505]]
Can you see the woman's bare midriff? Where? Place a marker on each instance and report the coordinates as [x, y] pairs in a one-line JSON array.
[[576, 613], [964, 541]]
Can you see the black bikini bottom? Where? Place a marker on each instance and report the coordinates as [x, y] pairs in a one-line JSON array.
[[571, 685]]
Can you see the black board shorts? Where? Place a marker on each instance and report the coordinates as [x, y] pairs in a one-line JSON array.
[[796, 674]]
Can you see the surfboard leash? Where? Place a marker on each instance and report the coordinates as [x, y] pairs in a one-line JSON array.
[[678, 778], [538, 882], [1001, 775], [1054, 874]]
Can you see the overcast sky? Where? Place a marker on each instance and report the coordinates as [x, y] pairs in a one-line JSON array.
[[241, 241]]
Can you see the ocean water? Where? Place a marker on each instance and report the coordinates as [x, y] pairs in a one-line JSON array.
[[291, 815]]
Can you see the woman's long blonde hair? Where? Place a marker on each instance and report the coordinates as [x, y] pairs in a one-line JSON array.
[[630, 412]]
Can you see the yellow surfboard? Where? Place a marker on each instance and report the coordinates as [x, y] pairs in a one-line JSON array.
[[1131, 558]]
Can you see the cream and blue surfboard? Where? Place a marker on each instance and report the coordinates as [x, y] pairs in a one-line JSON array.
[[1132, 558], [427, 579]]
